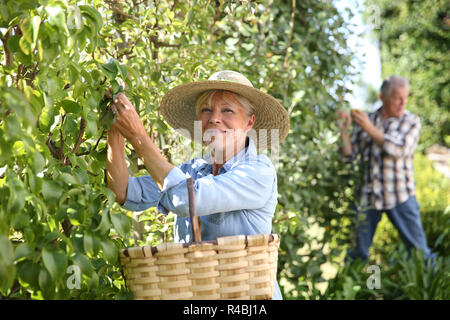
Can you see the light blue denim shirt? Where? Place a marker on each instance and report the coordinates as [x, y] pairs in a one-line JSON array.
[[241, 199]]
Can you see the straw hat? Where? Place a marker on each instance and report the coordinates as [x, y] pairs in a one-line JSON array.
[[178, 107]]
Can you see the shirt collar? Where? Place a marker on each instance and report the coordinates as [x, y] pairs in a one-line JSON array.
[[388, 120], [248, 152]]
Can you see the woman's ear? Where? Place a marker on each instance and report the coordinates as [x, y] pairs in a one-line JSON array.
[[251, 121]]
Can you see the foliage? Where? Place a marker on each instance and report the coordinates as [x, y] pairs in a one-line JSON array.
[[58, 59], [312, 216], [404, 276], [414, 42]]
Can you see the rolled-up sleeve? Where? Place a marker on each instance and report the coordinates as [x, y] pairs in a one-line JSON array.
[[142, 193], [248, 185], [402, 141]]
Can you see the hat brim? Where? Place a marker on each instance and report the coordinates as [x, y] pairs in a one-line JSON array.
[[271, 123]]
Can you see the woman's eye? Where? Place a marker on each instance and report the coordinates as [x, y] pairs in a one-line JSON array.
[[228, 110], [204, 110]]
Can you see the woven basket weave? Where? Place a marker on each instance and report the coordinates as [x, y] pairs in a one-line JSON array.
[[234, 267]]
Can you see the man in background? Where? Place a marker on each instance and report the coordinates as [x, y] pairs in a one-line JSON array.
[[385, 141]]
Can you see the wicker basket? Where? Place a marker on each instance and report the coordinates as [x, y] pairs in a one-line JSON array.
[[229, 268], [235, 267]]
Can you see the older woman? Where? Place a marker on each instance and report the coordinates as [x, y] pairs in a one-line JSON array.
[[235, 188]]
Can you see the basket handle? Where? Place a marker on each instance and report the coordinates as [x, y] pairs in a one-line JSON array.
[[195, 221]]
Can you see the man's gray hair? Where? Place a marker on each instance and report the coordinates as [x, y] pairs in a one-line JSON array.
[[393, 82]]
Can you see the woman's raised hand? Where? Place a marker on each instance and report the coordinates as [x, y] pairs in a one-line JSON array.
[[127, 120]]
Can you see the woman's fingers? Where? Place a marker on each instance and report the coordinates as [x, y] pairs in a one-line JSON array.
[[113, 108], [122, 101], [127, 120]]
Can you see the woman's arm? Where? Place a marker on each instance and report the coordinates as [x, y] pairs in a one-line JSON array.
[[131, 127], [116, 167], [248, 185]]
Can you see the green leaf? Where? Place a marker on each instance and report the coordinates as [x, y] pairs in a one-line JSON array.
[[51, 190], [71, 106], [6, 251], [13, 43], [35, 22], [110, 195], [93, 282], [15, 47], [68, 178], [18, 103], [105, 223], [77, 216], [121, 223], [55, 261], [25, 46], [110, 69], [57, 17], [36, 161], [16, 200], [155, 76], [23, 250], [49, 237], [7, 276], [29, 273], [34, 182], [123, 70], [107, 120], [30, 30], [20, 220], [88, 243], [46, 284], [92, 15], [110, 250], [80, 176], [47, 118], [84, 263]]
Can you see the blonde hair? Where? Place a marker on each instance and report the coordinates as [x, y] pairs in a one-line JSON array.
[[207, 96]]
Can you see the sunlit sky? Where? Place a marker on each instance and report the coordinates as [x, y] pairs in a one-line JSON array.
[[367, 58]]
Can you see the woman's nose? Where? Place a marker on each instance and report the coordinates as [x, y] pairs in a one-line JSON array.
[[216, 116]]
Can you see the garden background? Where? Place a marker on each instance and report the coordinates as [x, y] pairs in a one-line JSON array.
[[58, 57]]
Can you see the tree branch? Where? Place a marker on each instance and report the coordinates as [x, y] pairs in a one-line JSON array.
[[80, 136], [95, 147], [9, 58], [158, 44], [52, 147], [61, 148]]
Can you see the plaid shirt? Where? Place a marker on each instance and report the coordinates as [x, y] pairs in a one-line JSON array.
[[387, 171]]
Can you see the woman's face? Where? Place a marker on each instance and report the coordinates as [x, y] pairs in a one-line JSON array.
[[224, 123]]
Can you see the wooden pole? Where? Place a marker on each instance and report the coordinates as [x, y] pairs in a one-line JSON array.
[[195, 223]]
